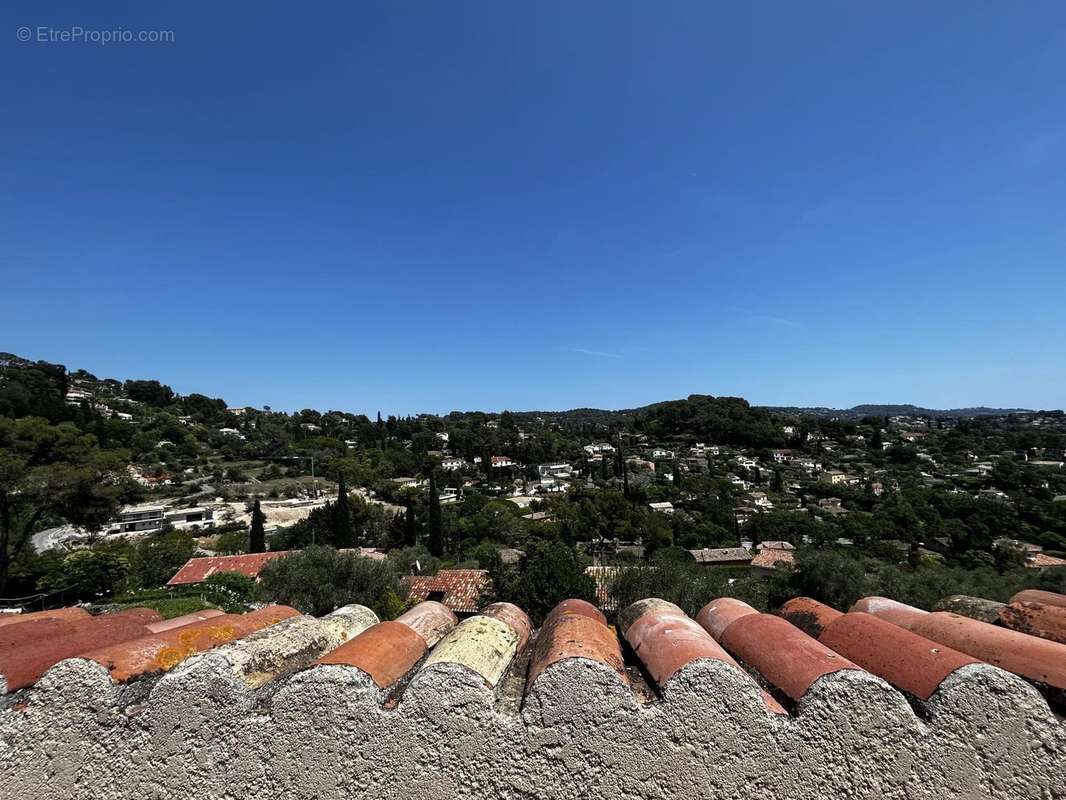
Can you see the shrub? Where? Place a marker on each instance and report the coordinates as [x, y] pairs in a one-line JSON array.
[[318, 580], [240, 588]]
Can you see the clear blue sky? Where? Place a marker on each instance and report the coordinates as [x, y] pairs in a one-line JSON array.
[[425, 206]]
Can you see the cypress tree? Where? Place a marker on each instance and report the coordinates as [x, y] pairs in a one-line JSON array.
[[342, 516], [257, 535], [410, 527], [436, 532]]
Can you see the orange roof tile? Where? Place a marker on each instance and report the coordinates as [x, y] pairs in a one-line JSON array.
[[197, 570], [459, 589]]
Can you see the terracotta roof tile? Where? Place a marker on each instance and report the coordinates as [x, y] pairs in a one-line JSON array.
[[459, 589], [771, 559], [22, 666], [1038, 596], [973, 607], [185, 619], [809, 615], [389, 650], [577, 607], [904, 659], [513, 616], [719, 614], [71, 613], [1029, 656], [573, 631], [430, 620], [197, 570], [1037, 619], [162, 651], [482, 645], [385, 652], [666, 640], [782, 653], [1043, 561]]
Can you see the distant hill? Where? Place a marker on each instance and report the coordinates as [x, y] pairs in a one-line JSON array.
[[875, 410]]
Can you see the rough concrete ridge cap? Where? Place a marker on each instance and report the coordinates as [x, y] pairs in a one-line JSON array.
[[1029, 656], [719, 614], [278, 650], [184, 619], [1039, 596], [906, 660], [809, 615], [1036, 619], [577, 607], [573, 635], [484, 646], [513, 616], [667, 640], [782, 653], [22, 666], [384, 652], [69, 613], [161, 652], [430, 620]]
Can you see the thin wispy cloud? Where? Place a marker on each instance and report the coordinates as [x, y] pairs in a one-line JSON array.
[[766, 319], [595, 353]]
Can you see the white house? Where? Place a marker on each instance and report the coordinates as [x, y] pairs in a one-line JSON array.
[[664, 507], [451, 463]]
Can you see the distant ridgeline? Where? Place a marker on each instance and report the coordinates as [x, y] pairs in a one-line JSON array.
[[876, 410]]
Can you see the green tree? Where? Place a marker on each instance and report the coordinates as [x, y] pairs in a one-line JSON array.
[[52, 472], [549, 573], [436, 529], [257, 533], [156, 558], [342, 516], [90, 574], [318, 580], [410, 527]]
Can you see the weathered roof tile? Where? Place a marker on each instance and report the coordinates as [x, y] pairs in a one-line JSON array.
[[1037, 619], [197, 570], [1029, 656], [575, 629], [162, 651], [782, 653], [22, 666]]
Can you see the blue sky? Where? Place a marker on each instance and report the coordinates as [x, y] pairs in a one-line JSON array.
[[420, 206]]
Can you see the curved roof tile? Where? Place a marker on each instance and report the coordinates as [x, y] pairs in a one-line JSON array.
[[161, 652], [430, 620], [1037, 619], [1038, 596], [513, 616], [385, 652], [1029, 656], [782, 653], [904, 659], [570, 631]]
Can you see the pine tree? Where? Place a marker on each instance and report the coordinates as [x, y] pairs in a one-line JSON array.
[[257, 535], [381, 433], [410, 527], [342, 516], [436, 532]]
